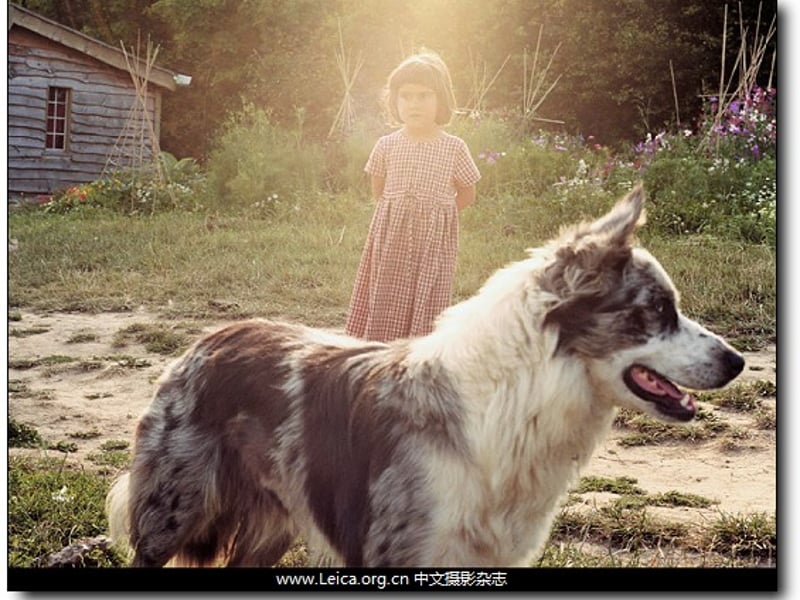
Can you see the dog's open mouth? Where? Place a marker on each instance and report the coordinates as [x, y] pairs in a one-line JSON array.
[[655, 388]]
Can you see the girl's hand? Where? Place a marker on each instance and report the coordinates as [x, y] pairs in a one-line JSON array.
[[464, 196], [377, 186]]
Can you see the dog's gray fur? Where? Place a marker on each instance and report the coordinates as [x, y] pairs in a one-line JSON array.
[[452, 449]]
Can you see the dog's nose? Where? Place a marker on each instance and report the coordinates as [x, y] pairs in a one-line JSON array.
[[734, 363]]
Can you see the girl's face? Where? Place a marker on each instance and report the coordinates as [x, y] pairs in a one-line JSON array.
[[417, 106]]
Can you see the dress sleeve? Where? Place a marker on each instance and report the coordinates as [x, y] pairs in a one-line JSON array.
[[466, 171], [376, 164]]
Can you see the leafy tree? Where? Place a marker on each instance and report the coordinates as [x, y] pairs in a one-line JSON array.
[[240, 52], [613, 56]]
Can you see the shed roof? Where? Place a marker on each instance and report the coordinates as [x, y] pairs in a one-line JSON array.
[[114, 57]]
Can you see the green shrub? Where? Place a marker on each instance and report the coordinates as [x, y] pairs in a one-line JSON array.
[[21, 435], [679, 196], [173, 186], [721, 179], [256, 164], [346, 156], [691, 194], [516, 164]]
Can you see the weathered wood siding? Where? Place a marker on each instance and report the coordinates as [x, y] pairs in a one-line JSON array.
[[101, 123]]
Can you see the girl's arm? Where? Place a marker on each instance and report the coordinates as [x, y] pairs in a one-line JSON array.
[[377, 186], [464, 196]]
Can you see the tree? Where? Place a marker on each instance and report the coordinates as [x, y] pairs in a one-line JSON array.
[[280, 55]]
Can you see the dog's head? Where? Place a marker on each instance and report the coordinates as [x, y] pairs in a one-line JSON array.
[[618, 310]]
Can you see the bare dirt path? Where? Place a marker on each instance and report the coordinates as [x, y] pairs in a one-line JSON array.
[[72, 382]]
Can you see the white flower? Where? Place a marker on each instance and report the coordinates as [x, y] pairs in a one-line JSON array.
[[62, 496]]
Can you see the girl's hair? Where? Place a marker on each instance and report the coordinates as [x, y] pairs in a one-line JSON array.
[[425, 68]]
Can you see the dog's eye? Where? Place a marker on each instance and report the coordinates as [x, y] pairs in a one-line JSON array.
[[666, 312], [664, 306]]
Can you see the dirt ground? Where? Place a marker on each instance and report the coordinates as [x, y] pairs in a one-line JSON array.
[[98, 396]]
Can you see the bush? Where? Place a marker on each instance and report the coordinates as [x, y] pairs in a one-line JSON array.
[[745, 129], [719, 180], [346, 156], [21, 435], [174, 185], [256, 164], [736, 200]]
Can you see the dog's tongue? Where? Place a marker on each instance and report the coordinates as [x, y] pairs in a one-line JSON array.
[[655, 384]]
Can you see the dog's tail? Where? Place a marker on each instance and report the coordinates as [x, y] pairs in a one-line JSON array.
[[119, 514]]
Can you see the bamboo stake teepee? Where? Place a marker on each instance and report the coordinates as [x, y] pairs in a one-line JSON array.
[[345, 116], [481, 84], [533, 82], [137, 148]]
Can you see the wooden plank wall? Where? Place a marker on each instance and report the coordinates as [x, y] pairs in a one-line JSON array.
[[101, 126]]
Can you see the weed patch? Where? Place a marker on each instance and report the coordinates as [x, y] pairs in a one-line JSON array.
[[47, 361], [111, 458], [52, 504], [753, 537], [115, 445], [62, 446], [157, 339], [745, 397], [82, 338], [27, 332], [766, 419], [675, 498], [18, 388], [620, 485], [21, 435], [631, 529], [648, 431], [86, 435]]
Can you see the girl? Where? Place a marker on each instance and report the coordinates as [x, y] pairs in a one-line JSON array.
[[421, 177]]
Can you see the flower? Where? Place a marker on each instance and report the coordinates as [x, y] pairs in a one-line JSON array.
[[490, 156], [62, 496]]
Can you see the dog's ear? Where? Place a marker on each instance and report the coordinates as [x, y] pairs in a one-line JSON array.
[[622, 221], [573, 317], [590, 261], [599, 249]]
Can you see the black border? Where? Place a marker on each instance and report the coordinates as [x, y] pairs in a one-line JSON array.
[[421, 580]]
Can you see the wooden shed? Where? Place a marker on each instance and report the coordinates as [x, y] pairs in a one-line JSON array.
[[77, 107]]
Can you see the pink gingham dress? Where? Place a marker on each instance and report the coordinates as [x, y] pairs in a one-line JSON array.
[[405, 277]]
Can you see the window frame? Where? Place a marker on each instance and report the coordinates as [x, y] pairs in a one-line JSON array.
[[53, 133]]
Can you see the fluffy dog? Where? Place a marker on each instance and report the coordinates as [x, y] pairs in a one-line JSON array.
[[452, 449]]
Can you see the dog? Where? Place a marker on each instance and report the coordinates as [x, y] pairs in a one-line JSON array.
[[452, 449]]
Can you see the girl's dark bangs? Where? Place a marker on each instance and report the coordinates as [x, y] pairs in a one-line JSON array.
[[417, 73]]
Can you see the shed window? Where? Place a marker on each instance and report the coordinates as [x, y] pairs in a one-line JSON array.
[[57, 112]]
